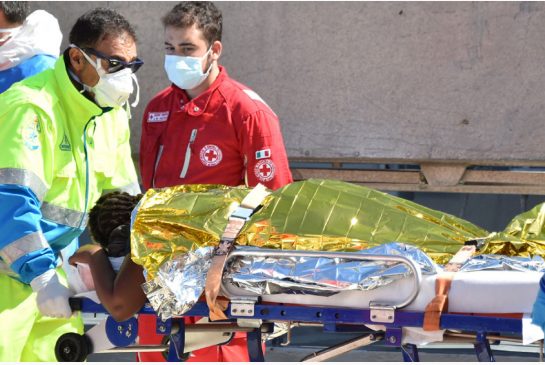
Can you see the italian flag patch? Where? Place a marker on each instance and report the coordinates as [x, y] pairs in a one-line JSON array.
[[263, 154]]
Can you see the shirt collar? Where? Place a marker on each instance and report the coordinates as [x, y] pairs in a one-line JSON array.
[[72, 99], [198, 105]]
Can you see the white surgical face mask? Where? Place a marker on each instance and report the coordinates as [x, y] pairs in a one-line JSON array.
[[8, 33], [113, 89], [186, 72]]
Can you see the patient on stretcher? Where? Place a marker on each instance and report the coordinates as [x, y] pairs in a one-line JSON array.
[[301, 215], [193, 214]]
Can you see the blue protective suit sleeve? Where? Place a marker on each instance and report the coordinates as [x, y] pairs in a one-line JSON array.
[[538, 311], [19, 217], [29, 67]]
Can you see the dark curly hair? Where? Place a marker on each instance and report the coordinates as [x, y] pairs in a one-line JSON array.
[[15, 11], [204, 14], [97, 24], [110, 220]]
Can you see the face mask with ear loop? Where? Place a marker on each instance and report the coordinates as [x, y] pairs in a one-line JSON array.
[[186, 72], [113, 89]]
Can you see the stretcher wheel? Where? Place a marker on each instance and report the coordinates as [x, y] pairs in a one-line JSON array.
[[72, 347]]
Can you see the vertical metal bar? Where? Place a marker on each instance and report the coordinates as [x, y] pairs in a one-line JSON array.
[[482, 348], [177, 342], [393, 336], [288, 336], [255, 349], [410, 353]]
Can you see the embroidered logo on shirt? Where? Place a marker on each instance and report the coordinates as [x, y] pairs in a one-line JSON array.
[[266, 153], [31, 130], [264, 170], [211, 155], [157, 117], [65, 144]]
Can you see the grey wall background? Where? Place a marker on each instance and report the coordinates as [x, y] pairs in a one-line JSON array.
[[401, 80]]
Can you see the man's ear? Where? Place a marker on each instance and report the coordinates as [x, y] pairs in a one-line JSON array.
[[77, 61], [217, 47]]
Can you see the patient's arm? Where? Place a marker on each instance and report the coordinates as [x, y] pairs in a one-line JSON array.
[[121, 295]]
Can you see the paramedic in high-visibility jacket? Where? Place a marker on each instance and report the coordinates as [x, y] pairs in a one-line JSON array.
[[206, 128], [29, 44], [64, 136]]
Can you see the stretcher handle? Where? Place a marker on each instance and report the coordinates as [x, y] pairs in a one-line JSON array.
[[414, 268]]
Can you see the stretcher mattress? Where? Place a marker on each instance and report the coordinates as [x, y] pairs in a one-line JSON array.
[[492, 291]]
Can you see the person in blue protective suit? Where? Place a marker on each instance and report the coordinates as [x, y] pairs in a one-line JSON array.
[[29, 44], [65, 140]]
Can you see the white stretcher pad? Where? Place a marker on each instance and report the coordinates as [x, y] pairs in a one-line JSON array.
[[471, 292]]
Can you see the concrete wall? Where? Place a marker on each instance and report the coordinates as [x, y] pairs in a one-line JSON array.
[[415, 80]]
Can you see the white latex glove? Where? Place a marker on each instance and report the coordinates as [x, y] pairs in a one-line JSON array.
[[52, 296]]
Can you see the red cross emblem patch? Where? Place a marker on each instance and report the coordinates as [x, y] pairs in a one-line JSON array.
[[211, 155], [264, 170]]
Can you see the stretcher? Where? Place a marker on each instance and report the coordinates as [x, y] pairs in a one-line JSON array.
[[484, 307]]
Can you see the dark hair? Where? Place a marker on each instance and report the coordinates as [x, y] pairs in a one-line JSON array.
[[15, 11], [110, 220], [202, 13], [97, 24]]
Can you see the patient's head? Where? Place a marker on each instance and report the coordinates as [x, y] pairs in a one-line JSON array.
[[109, 222]]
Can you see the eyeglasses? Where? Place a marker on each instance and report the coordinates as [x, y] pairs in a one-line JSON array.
[[115, 64]]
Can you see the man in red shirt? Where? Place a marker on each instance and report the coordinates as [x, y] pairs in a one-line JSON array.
[[206, 128]]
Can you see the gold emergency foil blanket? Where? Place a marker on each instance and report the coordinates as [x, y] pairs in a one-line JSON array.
[[318, 215], [176, 220], [523, 236]]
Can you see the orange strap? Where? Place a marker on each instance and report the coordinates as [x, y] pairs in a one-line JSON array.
[[439, 304], [212, 289]]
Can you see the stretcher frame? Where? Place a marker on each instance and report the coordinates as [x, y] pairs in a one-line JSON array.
[[249, 314]]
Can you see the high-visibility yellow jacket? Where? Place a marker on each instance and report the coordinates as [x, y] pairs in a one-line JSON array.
[[58, 152]]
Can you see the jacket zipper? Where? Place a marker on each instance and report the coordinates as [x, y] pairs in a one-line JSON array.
[[188, 153], [91, 120]]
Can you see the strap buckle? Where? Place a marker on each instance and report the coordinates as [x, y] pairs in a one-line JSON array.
[[242, 213], [477, 242]]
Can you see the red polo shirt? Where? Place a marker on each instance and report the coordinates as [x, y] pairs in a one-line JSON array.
[[227, 135]]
